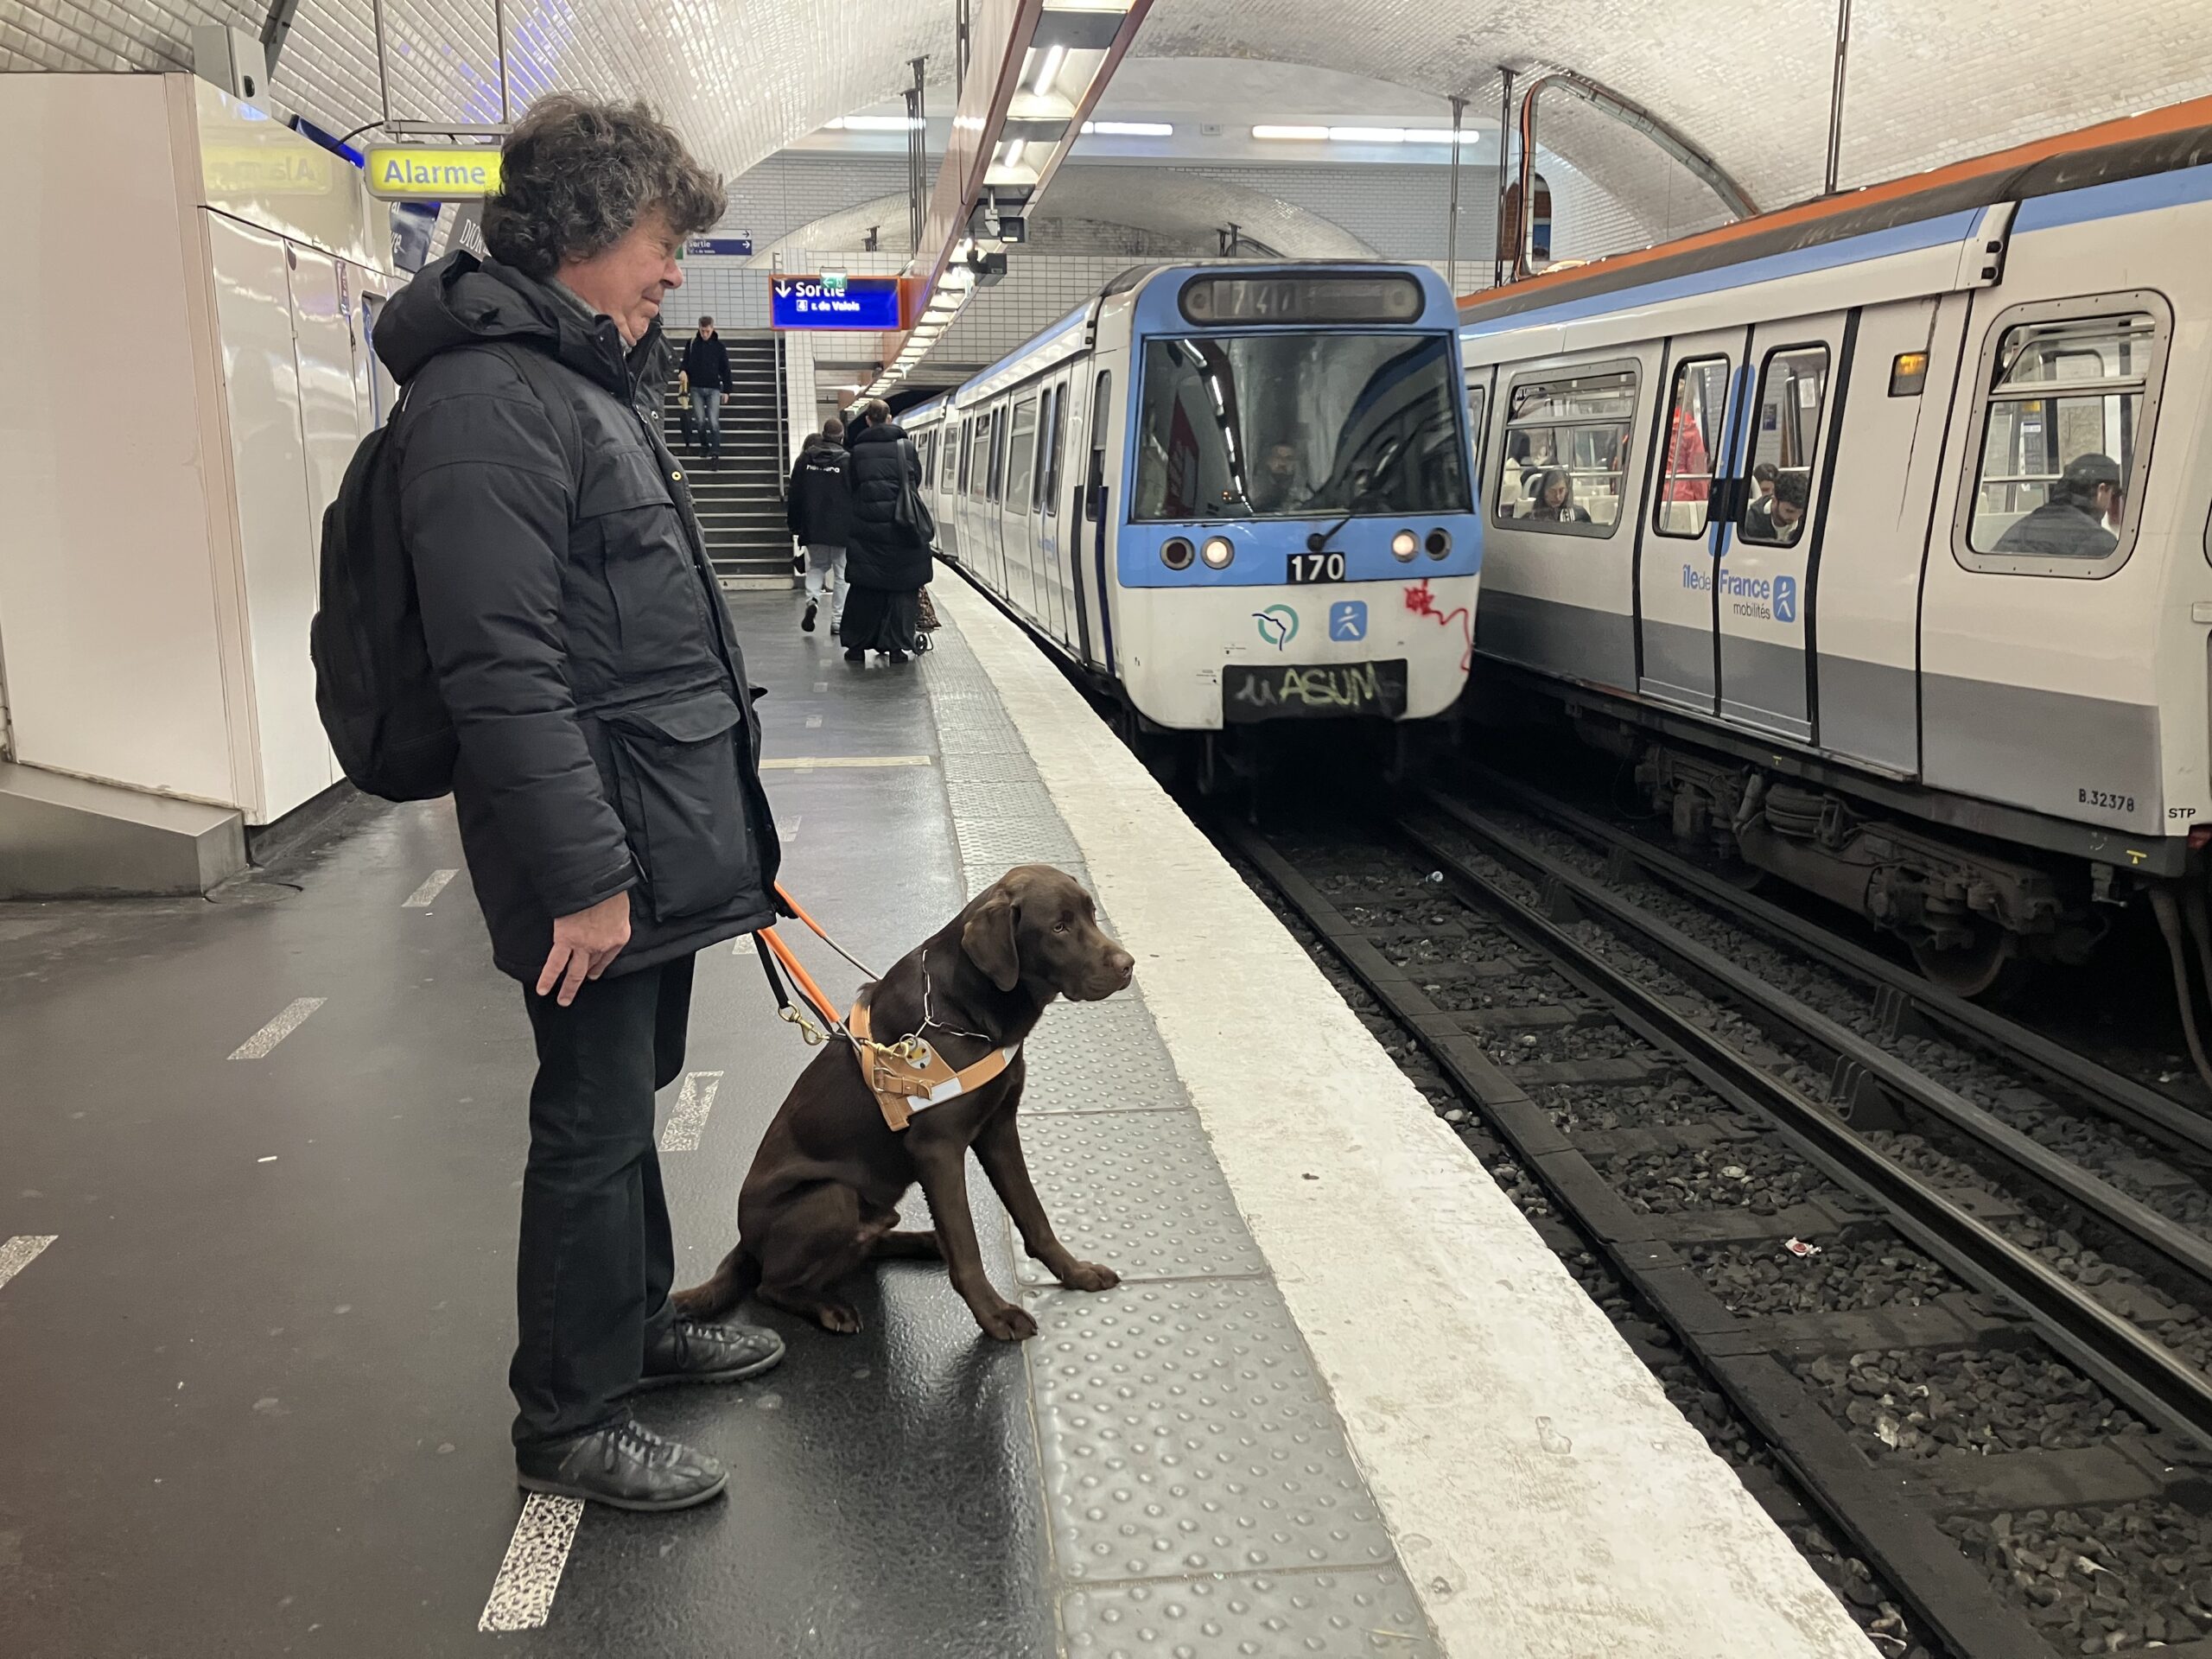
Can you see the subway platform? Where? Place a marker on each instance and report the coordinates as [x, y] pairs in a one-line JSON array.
[[260, 1159]]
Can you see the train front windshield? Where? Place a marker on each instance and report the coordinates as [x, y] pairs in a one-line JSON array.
[[1300, 426]]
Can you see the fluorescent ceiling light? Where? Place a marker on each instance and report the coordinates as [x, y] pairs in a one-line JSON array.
[[1129, 129], [1054, 57], [1368, 135], [1013, 155], [1290, 133], [1441, 135], [876, 122]]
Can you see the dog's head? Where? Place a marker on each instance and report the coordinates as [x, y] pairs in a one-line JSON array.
[[1035, 924]]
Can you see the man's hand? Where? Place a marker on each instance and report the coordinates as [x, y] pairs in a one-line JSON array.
[[583, 946]]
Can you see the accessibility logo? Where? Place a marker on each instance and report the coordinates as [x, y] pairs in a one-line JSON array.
[[1348, 619]]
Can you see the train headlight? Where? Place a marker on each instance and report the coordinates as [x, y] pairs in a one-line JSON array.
[[1405, 544], [1218, 552], [1175, 553], [1440, 543]]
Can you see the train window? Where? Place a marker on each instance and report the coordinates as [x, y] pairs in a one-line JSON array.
[[1306, 425], [2068, 394], [1697, 411], [1565, 452], [951, 462], [1477, 397], [967, 443], [979, 480], [1785, 443], [1021, 456], [998, 455]]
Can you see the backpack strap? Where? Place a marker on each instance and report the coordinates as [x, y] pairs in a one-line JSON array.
[[536, 367]]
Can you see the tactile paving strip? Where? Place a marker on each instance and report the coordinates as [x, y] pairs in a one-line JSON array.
[[1190, 1452], [1100, 1056], [1265, 1616], [1185, 1431], [1138, 1192]]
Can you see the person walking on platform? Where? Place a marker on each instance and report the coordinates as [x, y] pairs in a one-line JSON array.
[[706, 371], [887, 561], [819, 506], [610, 806]]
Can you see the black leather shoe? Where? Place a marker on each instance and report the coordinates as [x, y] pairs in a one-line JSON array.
[[695, 1352], [806, 622], [626, 1466]]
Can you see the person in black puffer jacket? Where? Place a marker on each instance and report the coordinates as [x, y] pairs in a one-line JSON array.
[[887, 561], [818, 504], [607, 789]]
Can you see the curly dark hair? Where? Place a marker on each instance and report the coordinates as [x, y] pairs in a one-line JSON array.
[[577, 173]]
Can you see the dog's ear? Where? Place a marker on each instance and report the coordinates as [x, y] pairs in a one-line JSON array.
[[989, 940]]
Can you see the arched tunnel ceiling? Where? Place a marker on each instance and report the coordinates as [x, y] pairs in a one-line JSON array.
[[1182, 221], [1930, 79]]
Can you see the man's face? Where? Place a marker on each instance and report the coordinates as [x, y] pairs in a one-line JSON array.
[[706, 330], [1785, 515], [1282, 461], [628, 281], [2111, 504]]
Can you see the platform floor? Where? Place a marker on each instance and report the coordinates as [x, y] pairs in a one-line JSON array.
[[259, 1160]]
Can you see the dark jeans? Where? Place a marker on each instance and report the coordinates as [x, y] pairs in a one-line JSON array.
[[593, 1275]]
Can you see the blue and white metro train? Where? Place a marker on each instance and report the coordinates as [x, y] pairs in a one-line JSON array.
[[1873, 533], [1228, 494]]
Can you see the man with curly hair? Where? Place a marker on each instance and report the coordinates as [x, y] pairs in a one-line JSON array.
[[607, 786]]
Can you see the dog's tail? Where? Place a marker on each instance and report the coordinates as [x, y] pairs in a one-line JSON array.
[[737, 1278]]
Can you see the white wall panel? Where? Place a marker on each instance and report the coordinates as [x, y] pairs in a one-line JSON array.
[[108, 600], [276, 528]]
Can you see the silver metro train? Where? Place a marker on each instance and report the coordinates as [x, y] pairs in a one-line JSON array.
[[1227, 495], [1874, 533]]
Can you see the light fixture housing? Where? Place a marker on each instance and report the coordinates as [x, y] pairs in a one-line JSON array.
[[1218, 552], [1440, 543], [1176, 553], [1404, 545]]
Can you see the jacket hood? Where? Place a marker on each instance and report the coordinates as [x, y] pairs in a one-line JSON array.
[[462, 301], [889, 432]]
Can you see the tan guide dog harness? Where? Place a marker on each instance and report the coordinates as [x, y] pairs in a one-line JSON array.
[[910, 1076]]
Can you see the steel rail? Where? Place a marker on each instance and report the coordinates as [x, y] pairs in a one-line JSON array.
[[2157, 1116], [2149, 1378]]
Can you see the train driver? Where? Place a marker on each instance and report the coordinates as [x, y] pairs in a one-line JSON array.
[[1281, 485], [2071, 525]]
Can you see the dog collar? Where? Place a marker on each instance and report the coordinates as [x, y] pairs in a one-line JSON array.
[[910, 1076]]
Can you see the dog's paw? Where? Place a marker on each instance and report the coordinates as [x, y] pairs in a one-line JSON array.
[[1089, 1275], [1007, 1323], [838, 1317]]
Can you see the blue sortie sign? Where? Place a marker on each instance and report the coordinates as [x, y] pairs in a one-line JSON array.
[[736, 247], [834, 303]]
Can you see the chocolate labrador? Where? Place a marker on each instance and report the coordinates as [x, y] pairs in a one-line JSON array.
[[822, 1199]]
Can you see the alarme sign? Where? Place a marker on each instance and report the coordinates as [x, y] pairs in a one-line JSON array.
[[834, 302]]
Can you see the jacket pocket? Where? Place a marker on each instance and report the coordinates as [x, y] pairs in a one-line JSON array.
[[680, 772]]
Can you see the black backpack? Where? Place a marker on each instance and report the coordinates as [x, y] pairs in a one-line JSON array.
[[375, 686]]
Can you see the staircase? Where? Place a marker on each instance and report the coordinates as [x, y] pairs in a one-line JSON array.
[[741, 502]]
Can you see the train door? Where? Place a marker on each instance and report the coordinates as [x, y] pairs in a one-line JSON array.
[[1478, 395], [1016, 524], [957, 504], [993, 530], [1683, 536], [1763, 596], [1091, 508], [942, 498], [1052, 555]]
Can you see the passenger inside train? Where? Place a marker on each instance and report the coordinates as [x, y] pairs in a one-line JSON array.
[[2084, 498]]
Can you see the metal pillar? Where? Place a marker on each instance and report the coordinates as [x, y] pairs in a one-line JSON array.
[[1451, 225], [1835, 97], [1504, 150], [499, 27]]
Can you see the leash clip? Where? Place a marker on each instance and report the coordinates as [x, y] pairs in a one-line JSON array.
[[810, 1033]]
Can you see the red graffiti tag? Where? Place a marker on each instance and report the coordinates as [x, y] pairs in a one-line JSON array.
[[1422, 602]]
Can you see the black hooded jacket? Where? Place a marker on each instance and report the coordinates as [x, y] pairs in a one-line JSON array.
[[608, 742], [819, 500], [883, 553]]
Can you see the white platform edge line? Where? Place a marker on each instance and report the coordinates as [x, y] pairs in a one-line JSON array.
[[19, 1252], [425, 895], [288, 1020], [689, 1121], [1442, 1325], [530, 1577]]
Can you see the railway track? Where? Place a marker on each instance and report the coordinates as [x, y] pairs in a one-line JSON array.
[[2004, 1427]]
